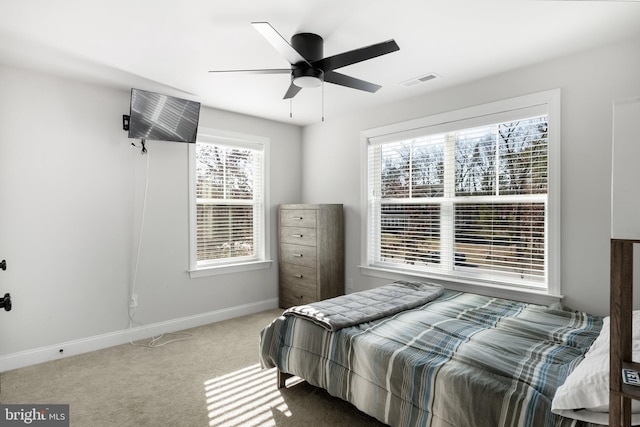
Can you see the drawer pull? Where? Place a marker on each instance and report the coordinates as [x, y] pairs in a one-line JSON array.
[[299, 276], [297, 235], [299, 218], [297, 255]]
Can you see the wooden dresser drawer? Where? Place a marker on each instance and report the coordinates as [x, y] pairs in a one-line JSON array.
[[291, 295], [298, 254], [298, 218], [298, 235], [298, 275]]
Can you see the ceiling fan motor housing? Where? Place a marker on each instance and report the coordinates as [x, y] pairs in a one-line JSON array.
[[310, 47]]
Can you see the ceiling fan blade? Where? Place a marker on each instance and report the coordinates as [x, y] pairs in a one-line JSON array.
[[357, 55], [279, 43], [292, 91], [348, 81], [259, 71]]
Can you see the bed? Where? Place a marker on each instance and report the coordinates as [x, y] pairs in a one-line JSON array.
[[456, 359]]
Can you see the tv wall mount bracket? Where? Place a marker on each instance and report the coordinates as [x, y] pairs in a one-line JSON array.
[[125, 126]]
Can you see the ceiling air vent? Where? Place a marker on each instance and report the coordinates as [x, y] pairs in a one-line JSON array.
[[421, 79]]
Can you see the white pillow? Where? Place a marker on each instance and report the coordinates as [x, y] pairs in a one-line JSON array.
[[635, 323], [585, 393]]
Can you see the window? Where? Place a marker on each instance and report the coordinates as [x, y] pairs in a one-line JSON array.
[[469, 196], [228, 206]]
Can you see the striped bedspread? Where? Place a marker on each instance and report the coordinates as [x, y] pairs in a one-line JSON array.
[[461, 360]]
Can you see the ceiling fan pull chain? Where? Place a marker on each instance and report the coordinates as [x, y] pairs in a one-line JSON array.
[[290, 108]]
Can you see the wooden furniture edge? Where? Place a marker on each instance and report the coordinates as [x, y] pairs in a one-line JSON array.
[[621, 313]]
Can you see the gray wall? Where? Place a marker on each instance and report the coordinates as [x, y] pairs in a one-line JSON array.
[[70, 204], [589, 82]]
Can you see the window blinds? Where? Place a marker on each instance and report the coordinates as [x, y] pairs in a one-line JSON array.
[[468, 202], [229, 198]]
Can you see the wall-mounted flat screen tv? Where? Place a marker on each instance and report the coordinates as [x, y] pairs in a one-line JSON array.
[[158, 117]]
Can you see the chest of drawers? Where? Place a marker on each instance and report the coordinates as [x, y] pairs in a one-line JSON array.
[[310, 253]]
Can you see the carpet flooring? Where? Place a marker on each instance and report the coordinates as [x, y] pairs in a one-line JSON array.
[[212, 378]]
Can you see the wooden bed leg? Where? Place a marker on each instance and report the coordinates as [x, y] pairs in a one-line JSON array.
[[282, 378]]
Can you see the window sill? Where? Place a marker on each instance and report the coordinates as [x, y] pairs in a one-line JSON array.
[[529, 295], [229, 268]]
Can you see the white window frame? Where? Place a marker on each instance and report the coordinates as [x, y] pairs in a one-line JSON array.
[[547, 102], [263, 257]]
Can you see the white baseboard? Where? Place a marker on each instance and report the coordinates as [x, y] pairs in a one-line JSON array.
[[97, 342]]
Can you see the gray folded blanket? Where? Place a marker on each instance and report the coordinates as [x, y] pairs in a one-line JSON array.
[[364, 306]]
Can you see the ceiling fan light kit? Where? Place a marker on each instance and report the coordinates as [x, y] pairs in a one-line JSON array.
[[305, 78], [308, 67]]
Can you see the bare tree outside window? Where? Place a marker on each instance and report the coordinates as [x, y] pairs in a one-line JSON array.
[[495, 212], [226, 200]]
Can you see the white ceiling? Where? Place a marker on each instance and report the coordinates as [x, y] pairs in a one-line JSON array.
[[169, 45]]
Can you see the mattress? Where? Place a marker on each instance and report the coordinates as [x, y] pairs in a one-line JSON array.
[[461, 360]]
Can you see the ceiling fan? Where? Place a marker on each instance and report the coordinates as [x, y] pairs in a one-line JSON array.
[[309, 68]]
